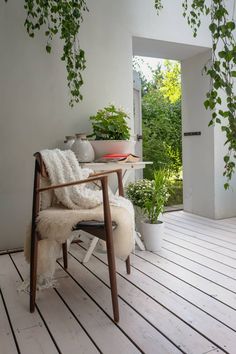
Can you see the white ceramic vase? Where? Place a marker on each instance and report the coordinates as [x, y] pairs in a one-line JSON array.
[[69, 141], [152, 235], [83, 149]]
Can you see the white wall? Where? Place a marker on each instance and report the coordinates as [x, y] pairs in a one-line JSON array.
[[198, 151], [203, 163], [34, 112], [225, 201]]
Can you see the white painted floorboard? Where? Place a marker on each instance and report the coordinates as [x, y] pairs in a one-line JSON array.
[[181, 313], [136, 327], [30, 331], [7, 342], [67, 332], [179, 300]]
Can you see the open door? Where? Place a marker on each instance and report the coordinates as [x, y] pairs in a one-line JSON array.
[[137, 120]]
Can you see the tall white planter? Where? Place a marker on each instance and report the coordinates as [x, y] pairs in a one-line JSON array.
[[152, 235]]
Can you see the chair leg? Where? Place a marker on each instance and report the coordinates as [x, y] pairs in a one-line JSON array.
[[128, 268], [110, 249], [33, 271], [112, 275], [65, 255]]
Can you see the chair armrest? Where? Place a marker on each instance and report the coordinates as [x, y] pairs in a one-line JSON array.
[[105, 196], [118, 172], [82, 181]]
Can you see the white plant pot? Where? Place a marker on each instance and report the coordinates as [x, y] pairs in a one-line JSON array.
[[153, 235], [103, 147]]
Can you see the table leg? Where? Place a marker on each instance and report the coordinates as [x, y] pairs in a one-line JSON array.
[[138, 241], [90, 250]]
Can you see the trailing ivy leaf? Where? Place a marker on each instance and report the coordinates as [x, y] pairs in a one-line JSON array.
[[226, 158], [220, 69], [48, 48], [64, 17], [206, 104], [226, 186]]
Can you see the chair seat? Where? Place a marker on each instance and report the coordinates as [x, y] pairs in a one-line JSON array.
[[96, 228], [94, 223]]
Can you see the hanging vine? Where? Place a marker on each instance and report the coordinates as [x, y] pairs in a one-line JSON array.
[[158, 5], [221, 68], [63, 18]]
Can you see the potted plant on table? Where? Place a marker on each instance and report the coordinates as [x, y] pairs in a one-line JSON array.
[[111, 132], [150, 197]]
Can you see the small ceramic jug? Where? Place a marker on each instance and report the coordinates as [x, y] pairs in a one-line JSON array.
[[69, 141], [83, 149]]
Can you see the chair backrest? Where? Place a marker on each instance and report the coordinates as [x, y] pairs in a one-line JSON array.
[[46, 198], [41, 169]]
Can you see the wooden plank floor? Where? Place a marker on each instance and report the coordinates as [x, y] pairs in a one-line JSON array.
[[179, 300]]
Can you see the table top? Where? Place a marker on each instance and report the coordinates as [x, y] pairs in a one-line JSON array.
[[115, 165]]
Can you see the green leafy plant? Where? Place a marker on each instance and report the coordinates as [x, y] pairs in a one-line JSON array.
[[220, 69], [65, 18], [139, 191], [110, 123], [150, 196]]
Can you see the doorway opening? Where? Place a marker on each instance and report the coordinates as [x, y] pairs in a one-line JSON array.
[[158, 121]]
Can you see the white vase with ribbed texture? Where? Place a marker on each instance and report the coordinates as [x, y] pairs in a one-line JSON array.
[[83, 149], [68, 142]]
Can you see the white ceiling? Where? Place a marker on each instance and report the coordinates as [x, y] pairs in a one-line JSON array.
[[165, 50]]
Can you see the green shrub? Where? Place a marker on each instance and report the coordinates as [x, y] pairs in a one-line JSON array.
[[175, 190], [162, 135]]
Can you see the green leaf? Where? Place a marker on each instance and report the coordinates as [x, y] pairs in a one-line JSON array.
[[48, 48], [226, 159], [226, 186], [206, 104]]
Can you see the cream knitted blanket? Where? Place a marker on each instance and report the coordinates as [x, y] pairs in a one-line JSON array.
[[75, 204]]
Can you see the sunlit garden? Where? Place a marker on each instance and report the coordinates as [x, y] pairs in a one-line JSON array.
[[161, 119]]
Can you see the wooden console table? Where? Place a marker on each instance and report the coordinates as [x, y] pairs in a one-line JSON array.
[[127, 167]]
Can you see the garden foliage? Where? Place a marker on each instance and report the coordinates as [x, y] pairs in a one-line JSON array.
[[161, 111]]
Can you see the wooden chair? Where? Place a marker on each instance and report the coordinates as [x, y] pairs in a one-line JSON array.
[[103, 230]]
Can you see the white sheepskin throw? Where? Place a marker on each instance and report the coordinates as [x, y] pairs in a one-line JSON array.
[[75, 204]]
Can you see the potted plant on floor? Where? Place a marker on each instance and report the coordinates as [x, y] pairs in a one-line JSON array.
[[150, 197], [111, 132]]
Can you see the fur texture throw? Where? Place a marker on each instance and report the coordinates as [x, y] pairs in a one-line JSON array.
[[70, 205]]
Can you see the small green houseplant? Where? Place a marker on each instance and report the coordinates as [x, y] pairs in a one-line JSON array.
[[110, 123], [111, 132], [151, 197]]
